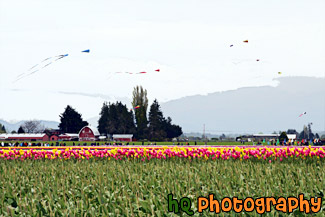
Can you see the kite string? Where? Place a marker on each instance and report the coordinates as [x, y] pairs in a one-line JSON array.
[[46, 62], [25, 74]]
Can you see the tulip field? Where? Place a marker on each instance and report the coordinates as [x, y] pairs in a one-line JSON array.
[[135, 181]]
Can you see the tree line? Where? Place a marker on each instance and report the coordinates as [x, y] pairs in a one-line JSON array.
[[116, 118]]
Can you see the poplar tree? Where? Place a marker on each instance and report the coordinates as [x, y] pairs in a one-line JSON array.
[[140, 99]]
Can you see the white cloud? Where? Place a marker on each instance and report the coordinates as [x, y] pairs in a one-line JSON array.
[[188, 40]]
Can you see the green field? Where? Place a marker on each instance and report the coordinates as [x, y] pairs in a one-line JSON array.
[[136, 188]]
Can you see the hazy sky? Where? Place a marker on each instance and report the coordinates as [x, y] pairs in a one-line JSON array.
[[189, 41]]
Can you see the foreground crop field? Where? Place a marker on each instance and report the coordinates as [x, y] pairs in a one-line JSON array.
[[132, 187]]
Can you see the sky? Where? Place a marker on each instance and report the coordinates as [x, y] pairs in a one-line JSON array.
[[189, 41]]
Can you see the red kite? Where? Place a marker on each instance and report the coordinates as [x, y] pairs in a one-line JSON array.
[[302, 114], [157, 70]]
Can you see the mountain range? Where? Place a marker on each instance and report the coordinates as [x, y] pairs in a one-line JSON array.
[[10, 126], [262, 109], [253, 109]]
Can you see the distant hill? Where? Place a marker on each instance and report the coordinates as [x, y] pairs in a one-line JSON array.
[[14, 126], [253, 109]]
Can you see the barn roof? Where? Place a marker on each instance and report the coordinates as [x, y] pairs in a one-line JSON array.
[[69, 135], [22, 135], [94, 129]]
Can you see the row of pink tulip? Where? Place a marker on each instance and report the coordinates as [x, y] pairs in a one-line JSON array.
[[206, 153]]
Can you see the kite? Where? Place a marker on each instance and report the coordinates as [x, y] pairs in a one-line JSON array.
[[245, 41], [279, 73], [246, 60], [302, 114], [130, 73], [137, 107], [44, 63]]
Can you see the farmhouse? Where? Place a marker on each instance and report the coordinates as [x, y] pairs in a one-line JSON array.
[[258, 137], [88, 133], [123, 137], [292, 137], [266, 137], [25, 136]]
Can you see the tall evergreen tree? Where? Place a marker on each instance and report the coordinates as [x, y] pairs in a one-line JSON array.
[[112, 124], [103, 120], [159, 127], [125, 119], [2, 129], [140, 99], [71, 121], [156, 122], [172, 130], [116, 119], [21, 130]]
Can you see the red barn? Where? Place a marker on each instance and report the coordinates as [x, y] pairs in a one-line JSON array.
[[88, 133], [54, 138]]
